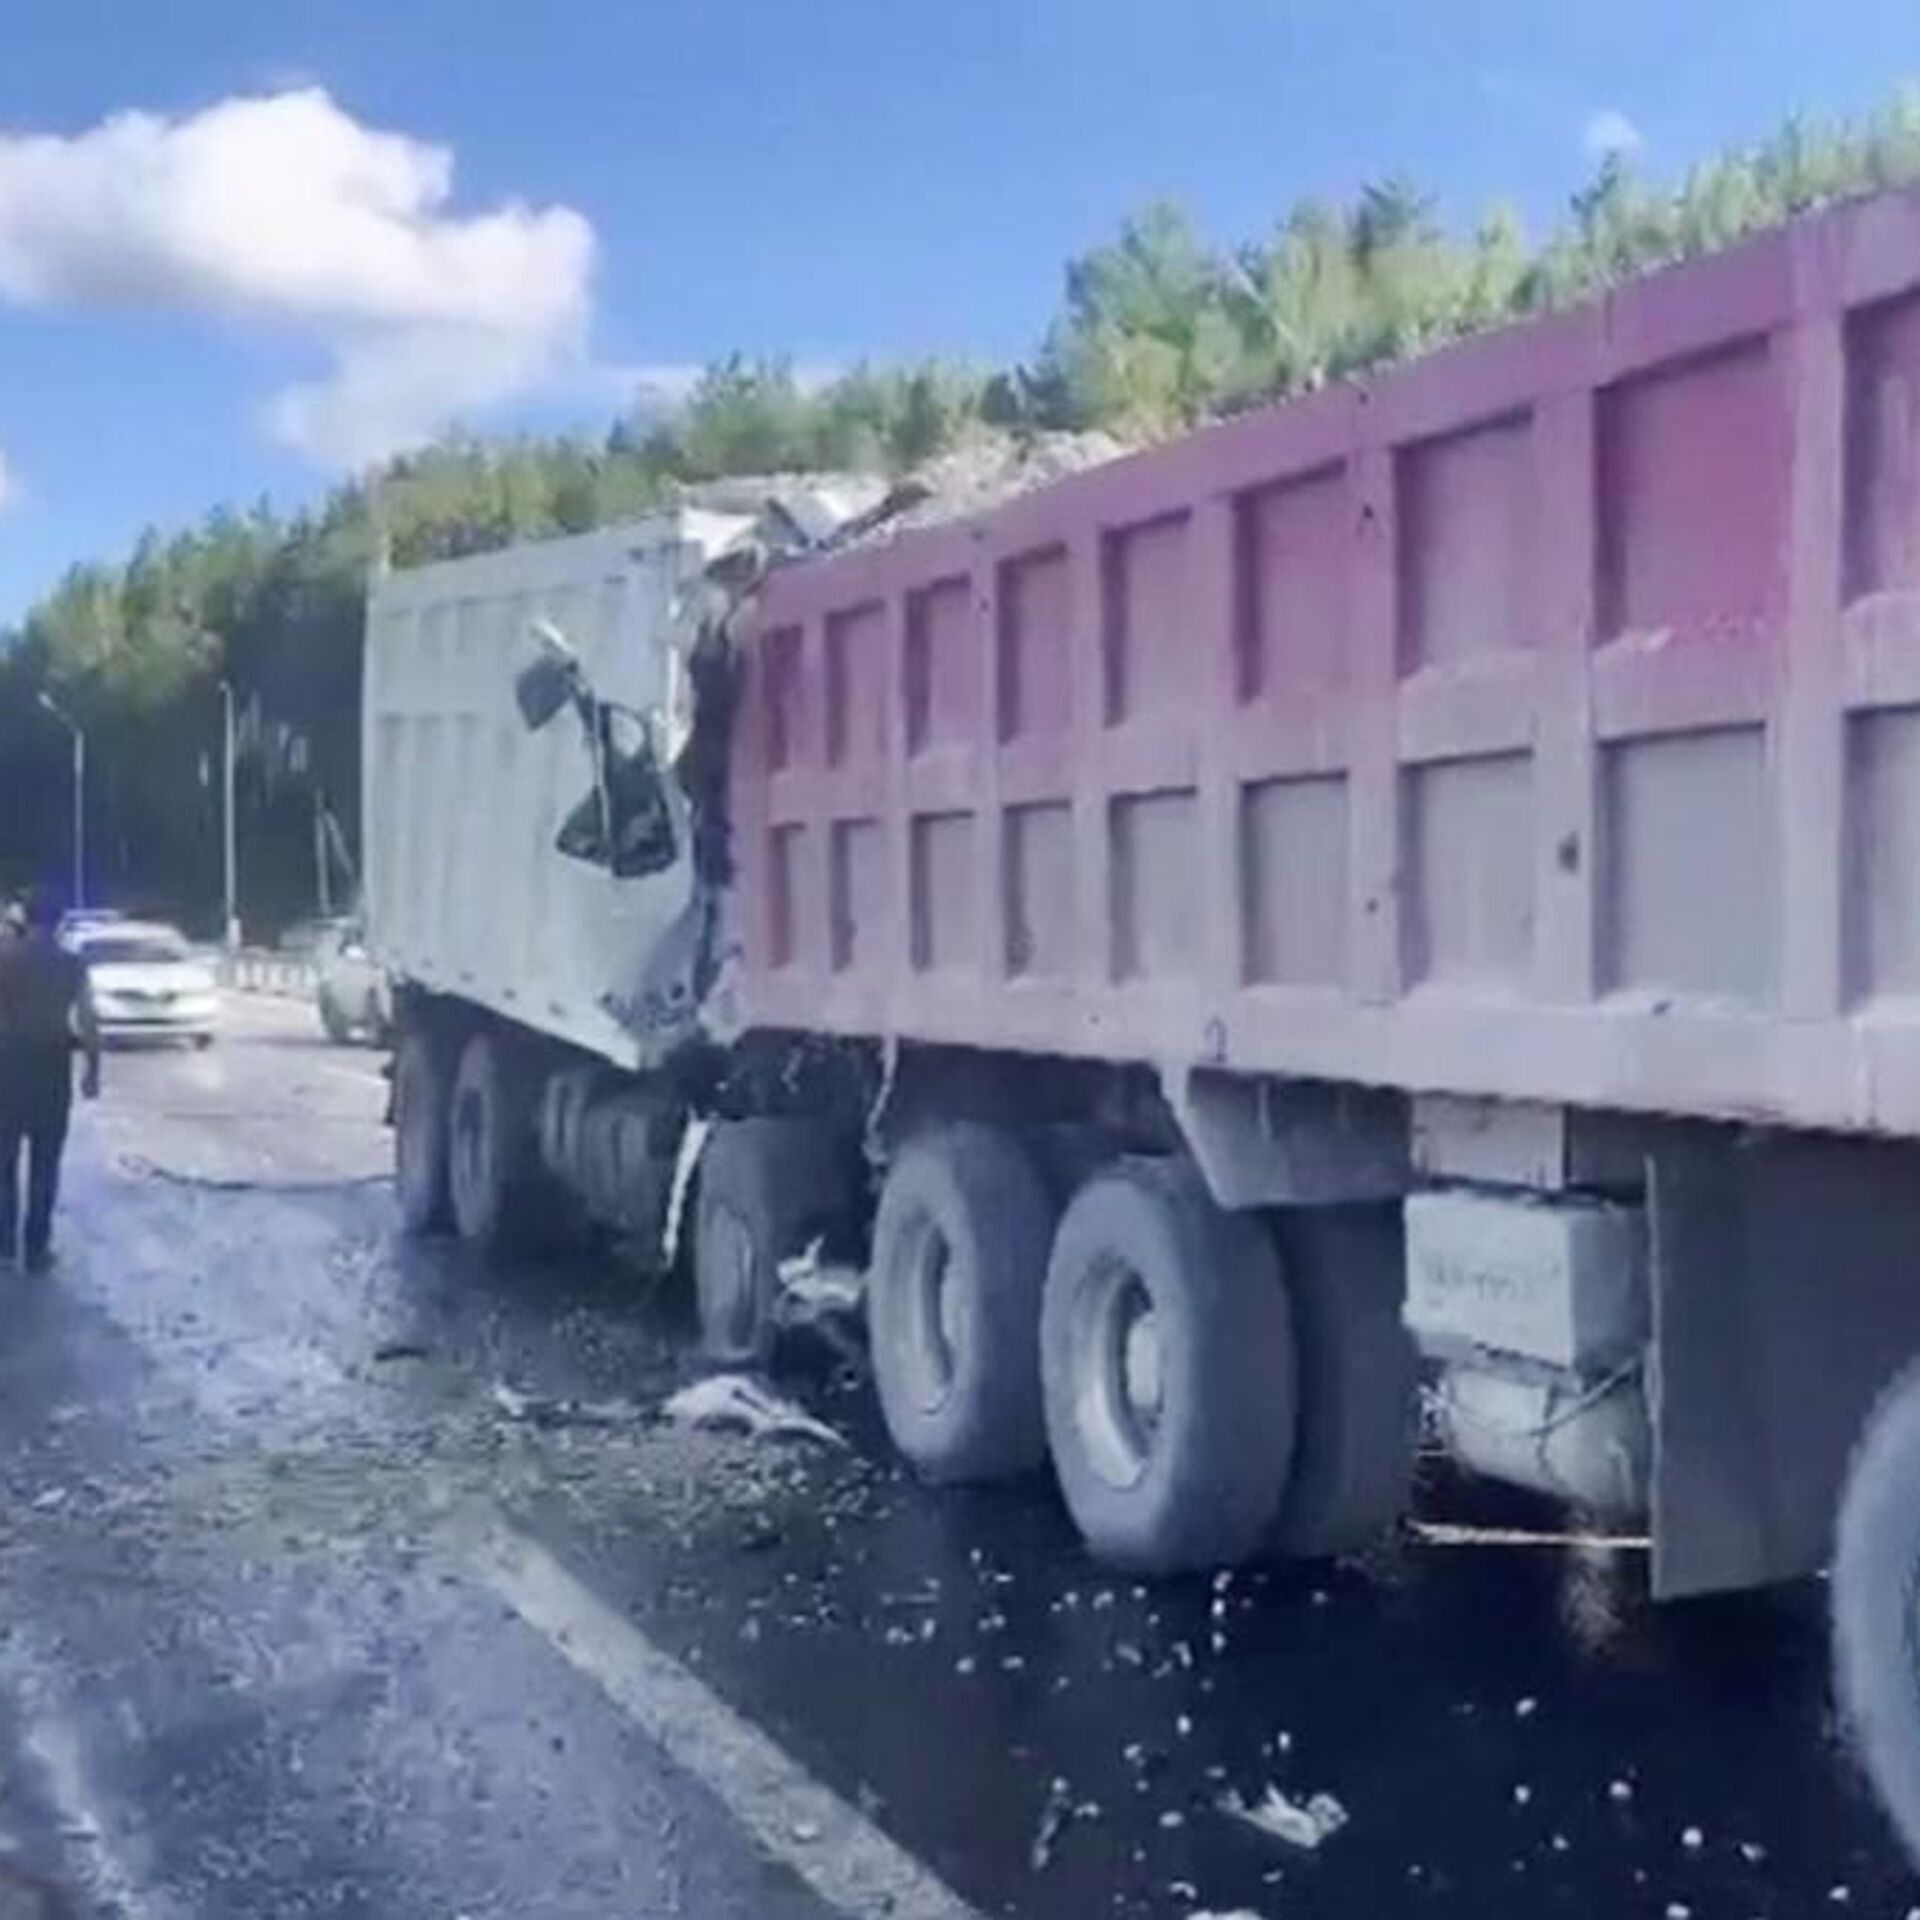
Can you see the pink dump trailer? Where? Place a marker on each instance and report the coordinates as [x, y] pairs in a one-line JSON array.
[[1410, 897], [1532, 733], [1541, 721]]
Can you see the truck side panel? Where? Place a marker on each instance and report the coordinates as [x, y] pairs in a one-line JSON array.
[[467, 895], [1541, 721]]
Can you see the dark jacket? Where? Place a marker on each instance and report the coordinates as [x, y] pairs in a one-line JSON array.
[[40, 987]]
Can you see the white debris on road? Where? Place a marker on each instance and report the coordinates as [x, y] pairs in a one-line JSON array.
[[739, 1403], [1054, 1816], [545, 1410], [811, 1289], [1299, 1823], [1445, 1533]]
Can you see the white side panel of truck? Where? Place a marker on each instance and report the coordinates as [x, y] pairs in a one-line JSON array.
[[467, 894]]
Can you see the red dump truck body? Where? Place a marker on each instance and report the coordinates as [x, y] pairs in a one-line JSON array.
[[1541, 720]]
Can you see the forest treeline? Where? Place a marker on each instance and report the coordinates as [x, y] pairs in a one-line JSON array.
[[1158, 329]]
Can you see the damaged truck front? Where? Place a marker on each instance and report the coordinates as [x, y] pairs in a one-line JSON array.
[[1406, 893]]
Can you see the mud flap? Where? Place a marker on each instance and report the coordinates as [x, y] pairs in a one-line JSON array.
[[1786, 1293]]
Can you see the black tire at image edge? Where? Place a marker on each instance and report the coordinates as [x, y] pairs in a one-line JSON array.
[[1874, 1594]]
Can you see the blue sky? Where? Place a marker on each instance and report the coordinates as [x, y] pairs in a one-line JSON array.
[[212, 301]]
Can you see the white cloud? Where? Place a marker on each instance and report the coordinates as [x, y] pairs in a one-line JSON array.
[[393, 388], [9, 486], [1609, 132], [284, 210]]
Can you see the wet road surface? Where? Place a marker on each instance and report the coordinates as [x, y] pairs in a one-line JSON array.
[[345, 1577]]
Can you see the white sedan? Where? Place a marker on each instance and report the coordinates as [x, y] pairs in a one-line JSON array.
[[148, 983]]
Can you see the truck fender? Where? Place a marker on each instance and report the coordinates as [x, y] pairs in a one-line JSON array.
[[1783, 1303], [1289, 1143]]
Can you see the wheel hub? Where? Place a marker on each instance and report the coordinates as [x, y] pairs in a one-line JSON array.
[[936, 1316], [728, 1306], [1142, 1363], [1122, 1384], [470, 1145]]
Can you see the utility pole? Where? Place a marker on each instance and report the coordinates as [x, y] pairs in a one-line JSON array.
[[79, 795], [229, 851], [321, 872]]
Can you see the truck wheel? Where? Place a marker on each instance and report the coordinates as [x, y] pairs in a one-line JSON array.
[[1168, 1369], [490, 1148], [953, 1304], [420, 1097], [1359, 1421], [1875, 1597], [768, 1189]]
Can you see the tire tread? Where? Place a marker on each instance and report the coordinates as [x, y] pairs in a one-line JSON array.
[[1212, 1493], [981, 1186], [1872, 1596]]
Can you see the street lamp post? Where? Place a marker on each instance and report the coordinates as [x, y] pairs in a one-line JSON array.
[[73, 726], [229, 847]]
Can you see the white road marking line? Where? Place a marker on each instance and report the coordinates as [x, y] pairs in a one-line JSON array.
[[832, 1846], [53, 1748]]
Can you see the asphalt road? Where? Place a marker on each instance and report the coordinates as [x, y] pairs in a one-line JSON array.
[[342, 1577]]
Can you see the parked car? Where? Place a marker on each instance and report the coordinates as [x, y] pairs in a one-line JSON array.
[[353, 994], [148, 982]]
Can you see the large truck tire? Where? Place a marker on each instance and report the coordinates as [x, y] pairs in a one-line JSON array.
[[1874, 1592], [1359, 1417], [767, 1189], [421, 1101], [493, 1170], [960, 1249], [1168, 1371]]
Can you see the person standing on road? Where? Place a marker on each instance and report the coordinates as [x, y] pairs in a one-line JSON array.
[[44, 1008]]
